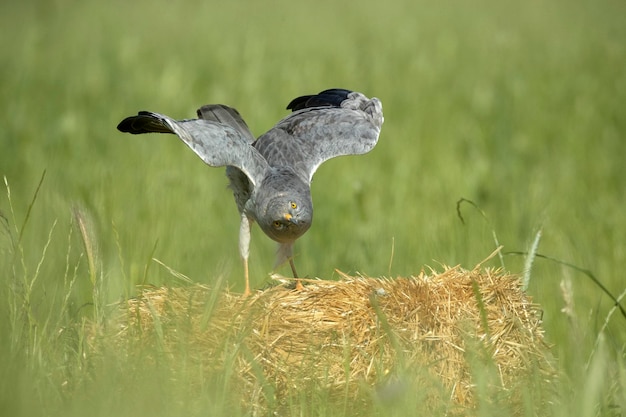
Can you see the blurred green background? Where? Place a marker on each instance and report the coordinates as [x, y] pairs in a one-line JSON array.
[[517, 106]]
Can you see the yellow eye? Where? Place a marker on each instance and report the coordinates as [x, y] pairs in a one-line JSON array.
[[294, 205], [277, 224]]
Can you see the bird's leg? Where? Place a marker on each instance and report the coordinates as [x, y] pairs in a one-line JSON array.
[[246, 292], [285, 253], [299, 285], [293, 268], [244, 249]]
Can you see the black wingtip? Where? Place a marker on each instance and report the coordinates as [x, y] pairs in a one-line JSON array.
[[126, 125], [332, 97], [144, 122], [135, 124]]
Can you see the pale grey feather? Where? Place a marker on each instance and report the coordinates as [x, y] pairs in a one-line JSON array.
[[228, 116]]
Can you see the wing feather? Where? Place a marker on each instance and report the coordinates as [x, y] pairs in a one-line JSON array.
[[312, 135], [228, 116], [215, 143]]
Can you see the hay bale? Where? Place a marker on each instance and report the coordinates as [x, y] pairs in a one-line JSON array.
[[356, 334]]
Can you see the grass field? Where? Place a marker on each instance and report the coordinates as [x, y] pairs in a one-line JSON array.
[[516, 106]]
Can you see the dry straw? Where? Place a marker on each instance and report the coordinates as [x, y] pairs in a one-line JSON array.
[[452, 335]]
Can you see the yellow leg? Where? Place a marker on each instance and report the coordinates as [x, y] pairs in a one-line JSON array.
[[244, 249], [299, 285], [247, 292]]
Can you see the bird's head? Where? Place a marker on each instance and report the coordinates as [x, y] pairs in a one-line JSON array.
[[286, 218]]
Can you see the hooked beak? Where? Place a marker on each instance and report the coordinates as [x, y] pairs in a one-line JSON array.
[[288, 217]]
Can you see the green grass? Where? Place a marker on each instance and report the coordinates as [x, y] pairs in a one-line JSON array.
[[517, 107]]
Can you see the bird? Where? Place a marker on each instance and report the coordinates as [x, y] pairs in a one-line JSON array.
[[270, 176]]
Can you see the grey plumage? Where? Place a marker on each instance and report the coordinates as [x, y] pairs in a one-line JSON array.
[[271, 176]]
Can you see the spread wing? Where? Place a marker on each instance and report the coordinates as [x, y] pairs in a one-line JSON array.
[[216, 143], [332, 123]]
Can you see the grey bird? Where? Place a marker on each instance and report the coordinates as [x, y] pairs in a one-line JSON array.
[[271, 176]]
